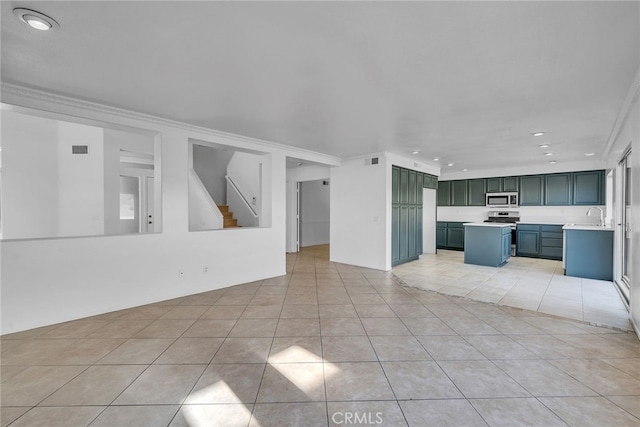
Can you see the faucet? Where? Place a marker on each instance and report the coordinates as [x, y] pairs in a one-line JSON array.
[[601, 223]]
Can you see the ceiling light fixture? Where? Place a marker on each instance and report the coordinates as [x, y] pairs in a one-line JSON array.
[[553, 162], [36, 20], [415, 152], [589, 154], [464, 170], [543, 145], [450, 164], [548, 154], [537, 133], [436, 159]]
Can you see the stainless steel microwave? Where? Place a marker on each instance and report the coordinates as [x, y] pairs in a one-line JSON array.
[[502, 200]]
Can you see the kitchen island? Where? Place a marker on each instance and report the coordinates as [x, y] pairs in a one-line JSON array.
[[487, 243]]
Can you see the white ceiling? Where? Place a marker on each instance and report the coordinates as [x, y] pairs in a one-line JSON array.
[[465, 81]]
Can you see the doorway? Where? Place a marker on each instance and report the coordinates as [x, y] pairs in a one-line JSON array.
[[625, 248], [313, 213]]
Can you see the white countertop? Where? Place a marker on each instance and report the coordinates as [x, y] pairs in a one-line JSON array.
[[540, 222], [590, 227], [486, 224]]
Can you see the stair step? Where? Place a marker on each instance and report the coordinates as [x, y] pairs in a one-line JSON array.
[[223, 208], [229, 222]]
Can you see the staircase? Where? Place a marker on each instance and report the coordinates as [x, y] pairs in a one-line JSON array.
[[229, 220]]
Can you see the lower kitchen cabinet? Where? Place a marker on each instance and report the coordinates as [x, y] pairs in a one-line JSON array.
[[450, 235], [539, 241], [589, 254]]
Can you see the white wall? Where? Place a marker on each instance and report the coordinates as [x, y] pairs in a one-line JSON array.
[[30, 200], [210, 164], [80, 181], [359, 214], [628, 134], [46, 281], [315, 213], [204, 214], [543, 214], [245, 171]]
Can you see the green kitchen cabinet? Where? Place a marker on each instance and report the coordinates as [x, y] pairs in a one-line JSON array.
[[531, 190], [494, 185], [511, 183], [503, 184], [539, 241], [441, 235], [557, 189], [406, 215], [444, 193], [476, 192], [430, 181], [528, 243], [450, 235], [588, 188], [459, 193]]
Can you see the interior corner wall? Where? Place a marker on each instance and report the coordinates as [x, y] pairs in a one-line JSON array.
[[359, 214]]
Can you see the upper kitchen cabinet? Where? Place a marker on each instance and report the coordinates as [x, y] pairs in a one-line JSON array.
[[430, 181], [494, 185], [476, 192], [444, 193], [531, 190], [511, 183], [503, 184], [459, 193], [557, 189], [588, 188]]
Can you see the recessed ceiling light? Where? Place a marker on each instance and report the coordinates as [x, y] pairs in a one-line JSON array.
[[553, 162], [415, 152], [589, 154], [548, 153], [35, 19], [464, 170], [543, 145], [537, 133], [450, 164], [436, 159]]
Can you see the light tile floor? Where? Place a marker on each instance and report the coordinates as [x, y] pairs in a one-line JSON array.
[[328, 344], [529, 283]]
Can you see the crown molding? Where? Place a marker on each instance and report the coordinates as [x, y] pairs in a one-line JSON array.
[[623, 114], [61, 100]]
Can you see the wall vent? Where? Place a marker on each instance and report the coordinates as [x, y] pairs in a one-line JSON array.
[[371, 161], [79, 149]]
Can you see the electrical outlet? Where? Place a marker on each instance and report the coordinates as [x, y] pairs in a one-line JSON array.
[[205, 269], [180, 274]]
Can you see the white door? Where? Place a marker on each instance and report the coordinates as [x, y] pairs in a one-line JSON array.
[[149, 223]]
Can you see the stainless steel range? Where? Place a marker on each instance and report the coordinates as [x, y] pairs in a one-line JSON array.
[[506, 217]]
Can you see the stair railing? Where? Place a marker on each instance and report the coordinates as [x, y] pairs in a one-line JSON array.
[[239, 193]]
